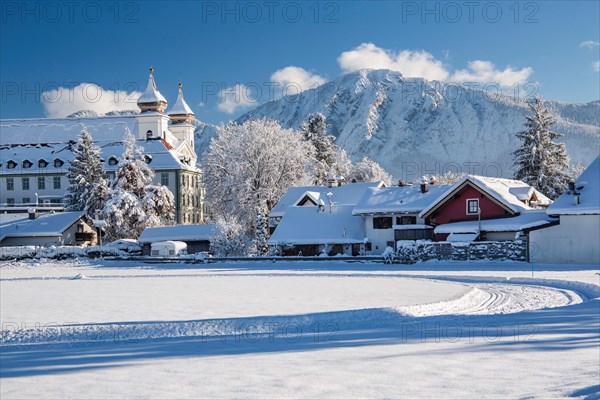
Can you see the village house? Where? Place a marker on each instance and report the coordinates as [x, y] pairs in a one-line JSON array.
[[486, 209], [576, 237], [35, 154], [50, 229], [314, 220], [392, 213], [338, 193]]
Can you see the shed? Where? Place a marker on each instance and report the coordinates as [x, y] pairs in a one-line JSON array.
[[196, 236], [168, 248]]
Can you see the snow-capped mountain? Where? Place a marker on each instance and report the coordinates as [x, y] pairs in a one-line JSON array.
[[413, 127]]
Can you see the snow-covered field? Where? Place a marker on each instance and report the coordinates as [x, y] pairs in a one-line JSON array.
[[91, 329]]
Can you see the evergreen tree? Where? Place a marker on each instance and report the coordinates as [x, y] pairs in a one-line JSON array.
[[541, 162], [134, 202], [99, 195], [159, 205], [124, 215], [84, 172], [133, 174], [262, 231], [314, 130]]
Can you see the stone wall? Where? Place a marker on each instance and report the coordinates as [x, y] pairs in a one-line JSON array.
[[409, 253]]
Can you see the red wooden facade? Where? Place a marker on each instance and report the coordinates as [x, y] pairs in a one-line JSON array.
[[454, 208]]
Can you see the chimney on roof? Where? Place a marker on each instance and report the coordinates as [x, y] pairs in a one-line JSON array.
[[576, 199], [424, 187], [571, 186], [401, 183], [330, 181], [32, 213]]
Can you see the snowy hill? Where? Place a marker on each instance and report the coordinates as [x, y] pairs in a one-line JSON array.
[[412, 126]]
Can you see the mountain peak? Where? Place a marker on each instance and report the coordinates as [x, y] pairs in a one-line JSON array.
[[420, 127]]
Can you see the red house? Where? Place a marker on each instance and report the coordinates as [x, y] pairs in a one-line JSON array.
[[476, 198]]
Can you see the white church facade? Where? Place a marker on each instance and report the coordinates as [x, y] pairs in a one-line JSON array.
[[35, 154]]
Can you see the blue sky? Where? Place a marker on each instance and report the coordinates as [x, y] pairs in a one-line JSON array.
[[223, 52]]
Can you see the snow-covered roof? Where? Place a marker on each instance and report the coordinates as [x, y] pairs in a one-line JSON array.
[[151, 94], [177, 232], [526, 220], [397, 199], [44, 225], [349, 193], [588, 187], [6, 219], [509, 192], [308, 225], [50, 130], [157, 153], [180, 107]]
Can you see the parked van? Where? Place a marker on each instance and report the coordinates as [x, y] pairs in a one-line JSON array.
[[169, 248]]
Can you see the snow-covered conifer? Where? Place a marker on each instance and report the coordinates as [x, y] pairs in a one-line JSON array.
[[159, 205], [540, 161], [133, 173], [99, 195], [134, 202], [314, 130], [124, 215], [84, 172]]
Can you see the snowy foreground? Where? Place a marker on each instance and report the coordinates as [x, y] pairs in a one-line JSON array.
[[91, 329]]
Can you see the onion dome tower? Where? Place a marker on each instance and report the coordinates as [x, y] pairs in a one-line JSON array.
[[180, 112], [153, 123], [182, 116], [151, 100]]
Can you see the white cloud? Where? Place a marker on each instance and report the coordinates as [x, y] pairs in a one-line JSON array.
[[63, 101], [296, 78], [424, 65], [410, 63], [596, 66], [235, 98], [486, 72], [590, 44]]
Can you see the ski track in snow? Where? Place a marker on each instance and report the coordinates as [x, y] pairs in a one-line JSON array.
[[487, 296]]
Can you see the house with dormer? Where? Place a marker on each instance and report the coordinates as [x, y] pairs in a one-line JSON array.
[[337, 193], [391, 214]]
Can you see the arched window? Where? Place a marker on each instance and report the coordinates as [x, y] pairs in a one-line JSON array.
[[58, 163], [148, 134], [11, 164], [42, 163], [27, 164], [113, 160]]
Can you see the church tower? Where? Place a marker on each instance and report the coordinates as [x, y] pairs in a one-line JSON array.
[[181, 120], [153, 123]]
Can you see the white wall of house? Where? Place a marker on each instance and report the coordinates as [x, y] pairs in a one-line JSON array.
[[378, 238], [18, 192], [575, 240]]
